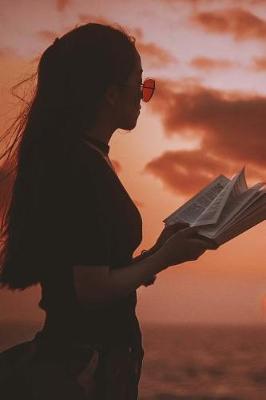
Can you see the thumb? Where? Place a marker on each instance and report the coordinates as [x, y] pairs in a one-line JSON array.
[[189, 231], [177, 226]]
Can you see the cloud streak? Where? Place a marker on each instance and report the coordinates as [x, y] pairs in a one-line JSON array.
[[259, 64], [240, 24], [156, 56], [208, 64]]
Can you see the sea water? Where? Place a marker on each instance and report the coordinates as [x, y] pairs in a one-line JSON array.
[[189, 362], [195, 362]]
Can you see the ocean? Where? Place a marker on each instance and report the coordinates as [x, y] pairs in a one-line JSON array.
[[189, 362]]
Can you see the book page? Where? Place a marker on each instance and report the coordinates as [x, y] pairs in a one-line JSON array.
[[233, 190], [236, 204], [253, 207], [240, 183], [236, 230], [193, 208]]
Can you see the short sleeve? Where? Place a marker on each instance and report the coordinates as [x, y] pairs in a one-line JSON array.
[[90, 237]]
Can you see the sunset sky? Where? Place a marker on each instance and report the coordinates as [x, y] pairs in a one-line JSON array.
[[207, 117]]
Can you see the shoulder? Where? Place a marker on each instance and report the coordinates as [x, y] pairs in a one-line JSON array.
[[91, 176], [88, 162]]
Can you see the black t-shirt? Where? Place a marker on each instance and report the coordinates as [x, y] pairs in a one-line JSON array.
[[95, 223]]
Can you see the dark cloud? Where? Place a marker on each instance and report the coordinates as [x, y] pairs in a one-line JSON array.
[[233, 124], [231, 128], [185, 171], [241, 24], [207, 64]]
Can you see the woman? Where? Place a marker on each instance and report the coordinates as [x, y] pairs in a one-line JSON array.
[[72, 227]]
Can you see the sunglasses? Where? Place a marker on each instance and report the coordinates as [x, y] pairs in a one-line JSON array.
[[147, 89]]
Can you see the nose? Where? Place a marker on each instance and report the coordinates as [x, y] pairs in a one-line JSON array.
[[138, 99]]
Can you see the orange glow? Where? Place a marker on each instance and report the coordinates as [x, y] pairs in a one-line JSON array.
[[207, 116]]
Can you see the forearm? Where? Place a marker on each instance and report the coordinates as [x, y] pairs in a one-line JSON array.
[[144, 254], [102, 285], [141, 270]]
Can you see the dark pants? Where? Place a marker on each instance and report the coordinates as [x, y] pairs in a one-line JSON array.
[[82, 373]]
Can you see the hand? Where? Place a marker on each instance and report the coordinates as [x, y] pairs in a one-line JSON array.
[[184, 245], [150, 281], [167, 232]]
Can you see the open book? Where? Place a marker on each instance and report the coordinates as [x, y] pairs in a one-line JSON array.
[[224, 209]]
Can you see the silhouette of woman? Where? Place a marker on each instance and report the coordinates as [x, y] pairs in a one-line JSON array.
[[72, 227]]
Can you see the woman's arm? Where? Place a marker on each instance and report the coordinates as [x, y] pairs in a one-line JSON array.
[[101, 284], [142, 256]]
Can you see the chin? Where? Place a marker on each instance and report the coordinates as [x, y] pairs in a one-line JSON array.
[[129, 124]]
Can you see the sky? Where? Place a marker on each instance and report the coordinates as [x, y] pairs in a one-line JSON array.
[[207, 117]]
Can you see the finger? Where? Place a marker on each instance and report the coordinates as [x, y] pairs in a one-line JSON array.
[[176, 226], [203, 243], [150, 281], [170, 230], [211, 243], [189, 231], [179, 226]]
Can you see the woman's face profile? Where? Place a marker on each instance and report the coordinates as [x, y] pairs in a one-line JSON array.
[[130, 98]]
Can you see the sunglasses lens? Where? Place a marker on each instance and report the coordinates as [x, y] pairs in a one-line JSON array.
[[148, 89]]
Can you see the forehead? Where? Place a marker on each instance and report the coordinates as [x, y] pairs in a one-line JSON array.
[[137, 70], [138, 67]]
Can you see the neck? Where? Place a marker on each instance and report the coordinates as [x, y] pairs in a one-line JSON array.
[[101, 133], [105, 124]]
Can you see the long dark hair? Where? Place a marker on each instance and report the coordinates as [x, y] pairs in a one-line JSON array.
[[72, 76]]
